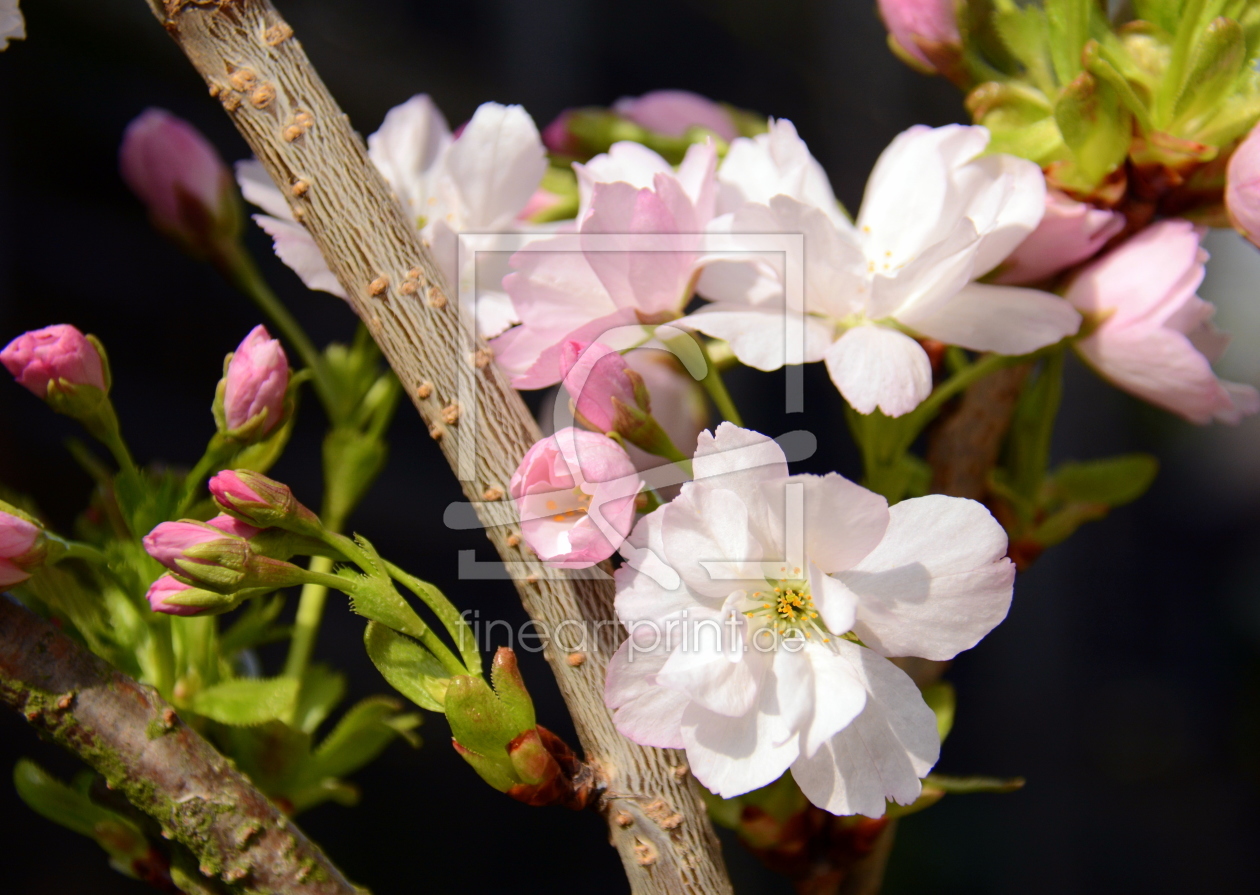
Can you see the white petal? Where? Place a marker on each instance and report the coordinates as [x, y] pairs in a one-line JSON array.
[[1006, 319], [776, 163], [836, 604], [839, 695], [625, 162], [712, 665], [496, 165], [759, 335], [709, 541], [738, 460], [882, 754], [843, 521], [258, 189], [644, 711], [295, 247], [406, 149], [937, 583], [874, 366], [1006, 198]]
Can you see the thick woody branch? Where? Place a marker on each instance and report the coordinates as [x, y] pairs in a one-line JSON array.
[[134, 739], [258, 71]]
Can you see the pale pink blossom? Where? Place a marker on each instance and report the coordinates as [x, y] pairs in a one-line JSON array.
[[745, 599], [674, 112], [256, 381], [1070, 232], [179, 177], [1242, 187], [643, 216], [575, 495], [1150, 334], [160, 592], [921, 26], [20, 540], [478, 183], [936, 216], [595, 376], [54, 353]]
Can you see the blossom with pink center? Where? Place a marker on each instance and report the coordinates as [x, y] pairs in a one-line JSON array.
[[575, 495], [1242, 187], [674, 112], [179, 177], [761, 609], [256, 381], [160, 592], [478, 181], [1070, 232], [923, 28], [1150, 334], [595, 376], [632, 264], [20, 547], [51, 354]]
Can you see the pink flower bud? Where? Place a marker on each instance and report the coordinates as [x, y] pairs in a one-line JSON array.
[[162, 590], [56, 352], [595, 375], [256, 380], [262, 502], [1242, 187], [1070, 232], [674, 112], [21, 548], [229, 525], [179, 177], [926, 29], [168, 542], [556, 136], [575, 494]]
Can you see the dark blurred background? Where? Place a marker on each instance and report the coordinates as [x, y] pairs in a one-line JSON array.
[[1125, 685]]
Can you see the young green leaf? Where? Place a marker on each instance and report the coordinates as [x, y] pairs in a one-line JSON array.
[[247, 701], [410, 668]]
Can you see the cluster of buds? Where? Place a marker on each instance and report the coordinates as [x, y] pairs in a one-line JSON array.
[[23, 545]]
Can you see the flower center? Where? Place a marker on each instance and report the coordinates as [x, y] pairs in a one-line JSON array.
[[787, 607]]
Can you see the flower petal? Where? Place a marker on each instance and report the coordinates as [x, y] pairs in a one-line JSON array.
[[938, 581], [644, 711], [496, 165], [295, 247], [406, 148], [759, 335], [1006, 319], [874, 366]]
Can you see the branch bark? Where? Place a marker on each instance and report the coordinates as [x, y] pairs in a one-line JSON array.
[[133, 738], [258, 71]]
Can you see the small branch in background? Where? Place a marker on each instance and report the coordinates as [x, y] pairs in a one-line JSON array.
[[964, 447], [134, 739]]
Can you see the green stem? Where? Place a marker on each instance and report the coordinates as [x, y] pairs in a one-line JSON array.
[[716, 388], [310, 613], [240, 270], [214, 455], [447, 614]]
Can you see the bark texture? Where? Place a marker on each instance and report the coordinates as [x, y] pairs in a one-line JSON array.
[[257, 70], [134, 739]]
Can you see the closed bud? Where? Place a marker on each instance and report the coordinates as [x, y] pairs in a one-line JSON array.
[[216, 560], [675, 112], [262, 502], [924, 33], [182, 181], [596, 377], [250, 401], [171, 596], [23, 545], [55, 357]]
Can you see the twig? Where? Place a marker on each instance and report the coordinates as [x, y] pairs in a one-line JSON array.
[[134, 739], [965, 445], [258, 71]]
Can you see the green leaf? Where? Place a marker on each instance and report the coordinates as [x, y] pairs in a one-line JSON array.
[[964, 785], [352, 461], [1113, 481], [509, 686], [1217, 60], [50, 798], [410, 668], [360, 736], [1095, 126], [1069, 29], [942, 700], [479, 720], [247, 701], [1032, 425], [1163, 13], [1062, 524], [1025, 32], [322, 688]]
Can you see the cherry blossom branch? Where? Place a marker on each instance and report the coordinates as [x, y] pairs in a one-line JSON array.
[[964, 447], [258, 71], [133, 738]]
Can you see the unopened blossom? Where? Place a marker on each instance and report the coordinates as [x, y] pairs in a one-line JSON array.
[[935, 217], [168, 542], [631, 266], [674, 112], [57, 353], [926, 29], [1070, 232], [479, 182], [161, 592], [21, 546], [180, 178], [12, 24], [262, 502], [597, 378], [1242, 187], [256, 381], [1150, 334], [233, 526], [575, 495], [761, 609]]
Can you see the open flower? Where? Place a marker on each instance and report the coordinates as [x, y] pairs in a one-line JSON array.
[[479, 181], [761, 609], [632, 265], [935, 217], [674, 112], [1150, 334], [575, 493], [1070, 232]]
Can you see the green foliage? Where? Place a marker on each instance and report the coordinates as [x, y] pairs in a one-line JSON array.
[[407, 666], [247, 701]]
